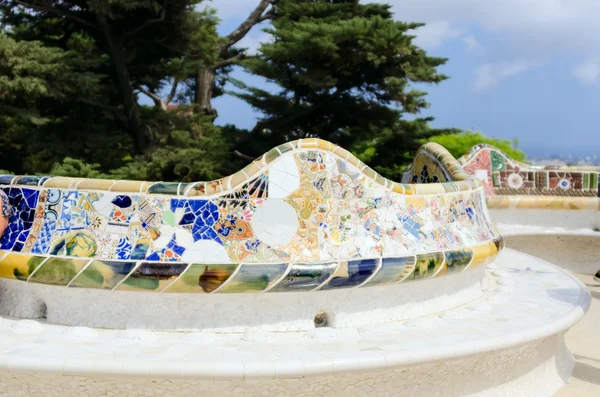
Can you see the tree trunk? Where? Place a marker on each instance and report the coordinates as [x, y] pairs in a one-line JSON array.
[[205, 80], [159, 103], [130, 106]]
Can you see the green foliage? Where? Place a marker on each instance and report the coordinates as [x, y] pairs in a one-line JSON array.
[[77, 168], [186, 149], [345, 71], [49, 100], [71, 72], [460, 144]]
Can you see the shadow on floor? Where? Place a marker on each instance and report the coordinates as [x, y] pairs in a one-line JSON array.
[[579, 357], [586, 372]]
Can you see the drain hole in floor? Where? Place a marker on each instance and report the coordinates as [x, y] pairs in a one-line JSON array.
[[321, 320]]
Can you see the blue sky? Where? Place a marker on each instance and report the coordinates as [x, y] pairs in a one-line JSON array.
[[525, 69]]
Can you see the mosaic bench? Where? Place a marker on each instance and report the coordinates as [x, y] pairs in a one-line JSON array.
[[306, 217], [306, 273], [552, 212]]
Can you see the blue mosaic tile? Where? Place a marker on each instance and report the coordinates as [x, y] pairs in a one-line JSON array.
[[153, 257], [410, 225], [172, 252], [43, 179], [164, 188], [69, 201], [23, 203], [201, 215], [139, 251], [42, 243], [122, 201], [124, 248], [206, 233], [28, 180], [177, 203], [6, 179], [357, 272]]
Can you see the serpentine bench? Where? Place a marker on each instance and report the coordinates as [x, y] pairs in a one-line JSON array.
[[306, 217], [551, 212], [306, 273]]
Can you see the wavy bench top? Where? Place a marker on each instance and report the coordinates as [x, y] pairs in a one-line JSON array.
[[237, 180]]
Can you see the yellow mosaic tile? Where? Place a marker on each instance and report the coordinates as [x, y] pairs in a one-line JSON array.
[[481, 254], [325, 145], [62, 182], [430, 188], [127, 186], [252, 169], [95, 184], [18, 266]]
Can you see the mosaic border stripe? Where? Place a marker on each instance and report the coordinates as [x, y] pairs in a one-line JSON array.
[[170, 277]]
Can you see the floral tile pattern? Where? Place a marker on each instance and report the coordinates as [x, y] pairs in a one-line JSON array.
[[502, 175]]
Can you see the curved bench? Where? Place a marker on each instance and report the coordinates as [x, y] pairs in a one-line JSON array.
[[305, 273], [307, 220], [551, 212]]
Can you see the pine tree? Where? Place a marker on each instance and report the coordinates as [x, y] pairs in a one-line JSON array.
[[345, 71], [136, 35], [38, 84]]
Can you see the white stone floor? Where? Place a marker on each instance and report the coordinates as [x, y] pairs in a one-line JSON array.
[[584, 341]]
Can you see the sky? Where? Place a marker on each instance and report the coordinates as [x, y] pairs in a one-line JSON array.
[[524, 69]]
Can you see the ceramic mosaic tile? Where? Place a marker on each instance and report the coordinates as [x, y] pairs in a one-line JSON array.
[[508, 183], [458, 260], [19, 267], [306, 216], [103, 274], [506, 176], [352, 273], [58, 271], [393, 270], [150, 276], [305, 277], [203, 278], [426, 266], [254, 278]]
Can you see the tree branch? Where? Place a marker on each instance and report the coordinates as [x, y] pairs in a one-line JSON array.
[[152, 95], [243, 156], [254, 18], [149, 22], [227, 62], [173, 92], [265, 17], [58, 12]]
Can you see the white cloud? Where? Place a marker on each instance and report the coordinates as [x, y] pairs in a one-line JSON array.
[[232, 8], [588, 72], [527, 26], [490, 74], [473, 45], [434, 34], [253, 40], [539, 27], [524, 29]]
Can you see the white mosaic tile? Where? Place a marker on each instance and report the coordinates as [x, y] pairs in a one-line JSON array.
[[275, 222], [284, 177]]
